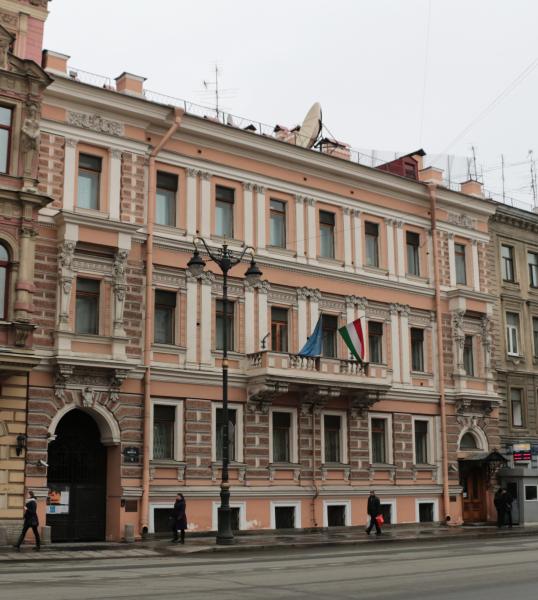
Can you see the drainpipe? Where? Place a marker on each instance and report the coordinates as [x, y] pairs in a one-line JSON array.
[[148, 324], [314, 474], [432, 188]]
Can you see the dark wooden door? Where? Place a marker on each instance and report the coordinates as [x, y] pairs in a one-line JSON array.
[[474, 493], [77, 468]]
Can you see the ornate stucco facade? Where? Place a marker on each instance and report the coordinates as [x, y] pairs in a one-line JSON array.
[[311, 436], [515, 244]]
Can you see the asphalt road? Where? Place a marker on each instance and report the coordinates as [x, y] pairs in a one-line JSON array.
[[468, 570]]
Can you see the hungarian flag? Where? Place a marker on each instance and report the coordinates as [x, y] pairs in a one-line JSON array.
[[352, 334]]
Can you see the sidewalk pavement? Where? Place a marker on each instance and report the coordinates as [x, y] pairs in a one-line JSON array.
[[255, 541]]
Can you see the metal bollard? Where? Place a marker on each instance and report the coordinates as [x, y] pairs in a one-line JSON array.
[[46, 535], [129, 535]]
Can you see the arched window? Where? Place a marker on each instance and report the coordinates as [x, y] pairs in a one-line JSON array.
[[468, 442], [4, 280]]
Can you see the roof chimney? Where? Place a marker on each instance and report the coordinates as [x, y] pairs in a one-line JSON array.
[[54, 62], [127, 83], [431, 175], [472, 188]]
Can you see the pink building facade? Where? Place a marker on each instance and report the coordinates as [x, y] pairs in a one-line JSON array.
[[123, 404]]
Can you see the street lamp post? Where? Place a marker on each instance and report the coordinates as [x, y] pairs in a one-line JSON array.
[[225, 259]]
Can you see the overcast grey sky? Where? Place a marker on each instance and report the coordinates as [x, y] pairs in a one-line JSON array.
[[363, 60]]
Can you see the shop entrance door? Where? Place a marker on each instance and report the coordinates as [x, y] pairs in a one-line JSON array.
[[76, 508]]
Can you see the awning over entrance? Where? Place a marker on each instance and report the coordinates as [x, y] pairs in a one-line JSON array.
[[482, 456]]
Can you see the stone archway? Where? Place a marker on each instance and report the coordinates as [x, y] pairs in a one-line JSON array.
[[77, 477], [108, 426]]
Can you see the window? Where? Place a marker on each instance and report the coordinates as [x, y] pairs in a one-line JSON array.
[[220, 424], [507, 259], [284, 517], [4, 281], [5, 137], [375, 342], [89, 179], [165, 309], [512, 333], [534, 335], [371, 231], [165, 202], [413, 249], [461, 269], [336, 515], [326, 234], [379, 441], [329, 326], [425, 512], [516, 403], [421, 442], [87, 306], [164, 420], [468, 359], [417, 349], [332, 437], [468, 442], [278, 223], [531, 492], [224, 225], [282, 440], [220, 321], [279, 329], [533, 269]]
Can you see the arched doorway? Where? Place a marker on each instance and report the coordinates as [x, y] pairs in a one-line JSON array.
[[77, 480], [472, 451]]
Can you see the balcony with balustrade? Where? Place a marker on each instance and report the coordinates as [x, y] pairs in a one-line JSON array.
[[272, 374]]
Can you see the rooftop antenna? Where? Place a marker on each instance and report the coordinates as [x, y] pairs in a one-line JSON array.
[[502, 177], [215, 84], [310, 128], [533, 178], [473, 150]]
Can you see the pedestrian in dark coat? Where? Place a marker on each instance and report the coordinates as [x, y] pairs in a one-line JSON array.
[[30, 521], [374, 510], [507, 499], [179, 519], [498, 500]]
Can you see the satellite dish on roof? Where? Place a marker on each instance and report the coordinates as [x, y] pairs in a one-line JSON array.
[[310, 128]]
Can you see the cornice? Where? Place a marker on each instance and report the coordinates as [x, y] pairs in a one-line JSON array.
[[266, 149], [94, 222], [515, 217]]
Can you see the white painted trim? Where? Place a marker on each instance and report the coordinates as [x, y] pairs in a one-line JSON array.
[[238, 430], [190, 320], [106, 422], [70, 160], [395, 347], [388, 436], [295, 505], [452, 261], [242, 506], [431, 447], [478, 434], [393, 509], [293, 432], [389, 229], [346, 503], [434, 501], [191, 202], [263, 321], [261, 218], [405, 337], [250, 345], [206, 322], [114, 184], [343, 435], [178, 426]]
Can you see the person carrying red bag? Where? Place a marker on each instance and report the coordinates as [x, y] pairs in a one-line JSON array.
[[374, 511]]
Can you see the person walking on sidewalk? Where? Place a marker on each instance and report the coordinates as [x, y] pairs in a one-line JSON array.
[[499, 502], [374, 510], [179, 519], [30, 521]]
